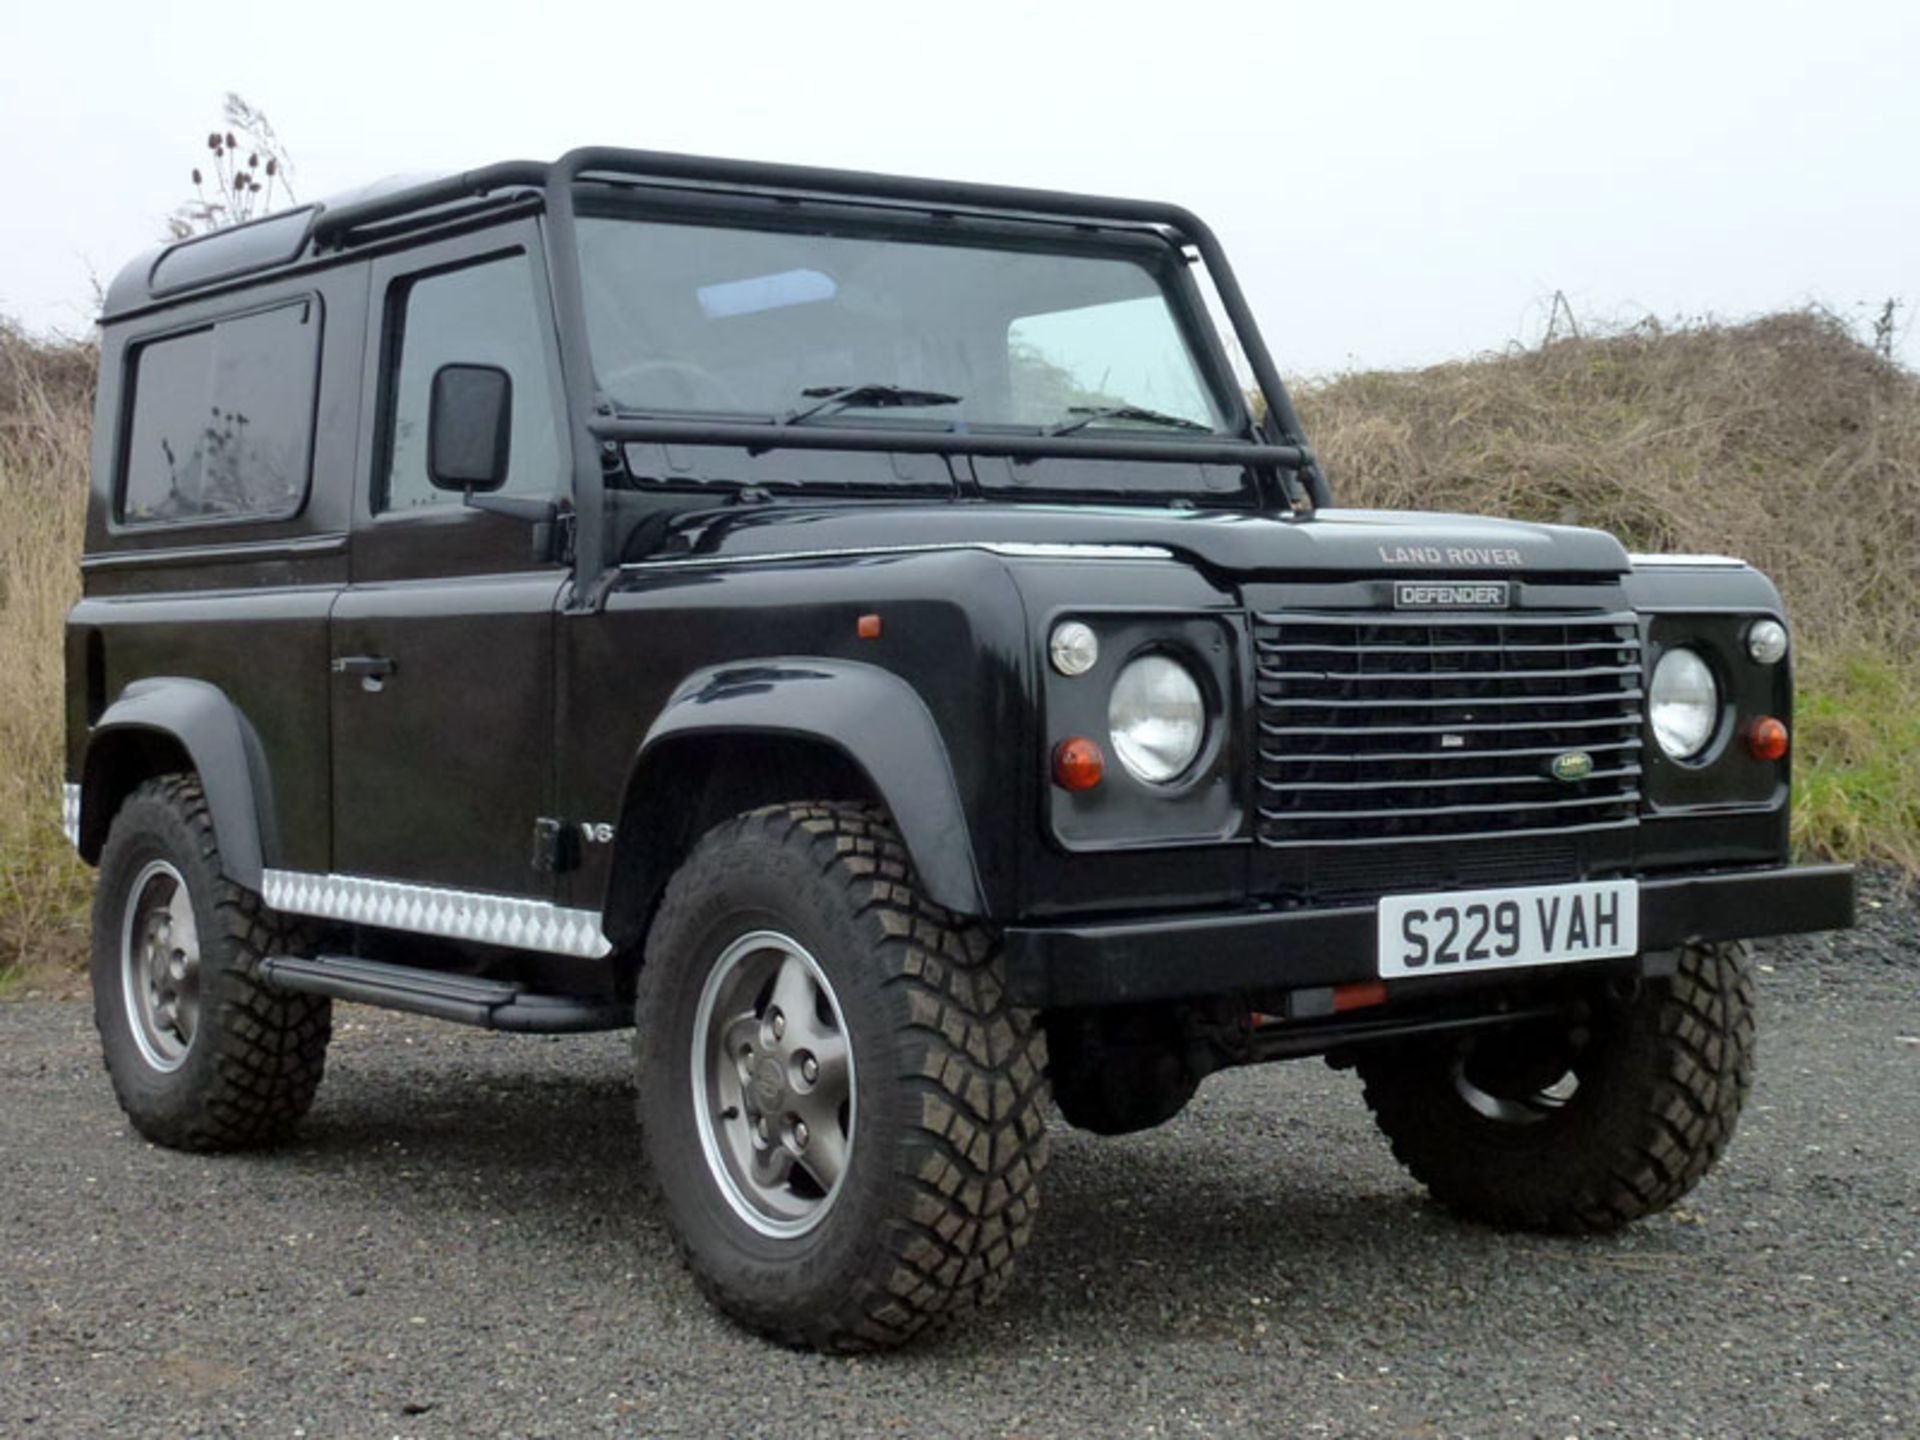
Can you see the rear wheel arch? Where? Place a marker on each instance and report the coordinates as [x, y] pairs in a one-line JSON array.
[[166, 726], [117, 763]]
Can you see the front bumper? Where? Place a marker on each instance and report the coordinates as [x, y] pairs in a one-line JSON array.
[[1268, 951]]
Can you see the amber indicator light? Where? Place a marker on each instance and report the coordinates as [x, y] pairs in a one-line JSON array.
[[1078, 764], [1767, 739], [867, 627]]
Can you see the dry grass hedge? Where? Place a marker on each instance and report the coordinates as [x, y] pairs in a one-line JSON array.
[[1784, 441], [46, 403]]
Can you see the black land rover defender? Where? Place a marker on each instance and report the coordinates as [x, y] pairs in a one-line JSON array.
[[857, 631]]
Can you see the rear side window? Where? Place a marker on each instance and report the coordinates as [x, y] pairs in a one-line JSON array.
[[484, 314], [222, 421]]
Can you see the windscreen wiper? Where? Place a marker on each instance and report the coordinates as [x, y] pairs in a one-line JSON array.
[[1090, 415], [830, 398]]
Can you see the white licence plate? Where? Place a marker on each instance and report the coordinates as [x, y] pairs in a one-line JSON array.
[[1462, 930]]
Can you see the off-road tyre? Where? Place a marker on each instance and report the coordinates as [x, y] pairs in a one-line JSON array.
[[1662, 1078], [256, 1056], [941, 1189]]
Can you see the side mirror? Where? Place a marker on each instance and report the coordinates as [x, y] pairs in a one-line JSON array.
[[469, 427]]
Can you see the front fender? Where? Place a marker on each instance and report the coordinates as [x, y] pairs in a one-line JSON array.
[[200, 720], [872, 717]]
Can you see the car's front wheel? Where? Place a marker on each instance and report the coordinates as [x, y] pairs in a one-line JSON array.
[[842, 1111], [1580, 1125]]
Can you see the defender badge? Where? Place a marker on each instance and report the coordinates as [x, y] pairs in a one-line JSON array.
[[1572, 766], [1452, 594]]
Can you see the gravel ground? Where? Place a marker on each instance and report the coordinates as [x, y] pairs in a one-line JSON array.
[[459, 1245]]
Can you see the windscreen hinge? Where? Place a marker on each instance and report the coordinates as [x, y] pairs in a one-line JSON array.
[[553, 537]]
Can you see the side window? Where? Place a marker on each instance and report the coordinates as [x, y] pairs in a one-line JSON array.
[[222, 421], [481, 315]]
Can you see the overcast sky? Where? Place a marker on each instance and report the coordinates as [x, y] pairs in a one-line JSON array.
[[1397, 183]]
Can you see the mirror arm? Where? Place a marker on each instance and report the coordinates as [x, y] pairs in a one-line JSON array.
[[530, 508], [545, 516]]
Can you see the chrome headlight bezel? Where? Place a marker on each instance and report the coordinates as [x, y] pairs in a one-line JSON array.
[[1684, 704]]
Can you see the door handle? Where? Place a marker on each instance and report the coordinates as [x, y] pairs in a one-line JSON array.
[[373, 670], [378, 666]]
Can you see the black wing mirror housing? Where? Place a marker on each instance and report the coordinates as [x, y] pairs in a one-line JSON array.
[[469, 427]]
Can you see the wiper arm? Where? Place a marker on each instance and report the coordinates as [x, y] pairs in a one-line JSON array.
[[831, 398], [1090, 414]]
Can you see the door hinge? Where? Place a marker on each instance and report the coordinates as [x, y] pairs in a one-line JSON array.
[[552, 535], [556, 846]]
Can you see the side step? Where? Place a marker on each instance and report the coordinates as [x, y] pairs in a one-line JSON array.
[[464, 999]]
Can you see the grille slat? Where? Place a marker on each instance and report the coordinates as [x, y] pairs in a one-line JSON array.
[[1443, 702], [1269, 648], [1429, 620], [1463, 837], [1456, 719], [1392, 678], [1616, 721], [1539, 751], [1405, 811], [1449, 783]]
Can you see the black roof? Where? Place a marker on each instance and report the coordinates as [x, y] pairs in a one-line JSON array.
[[282, 240], [279, 243], [273, 242]]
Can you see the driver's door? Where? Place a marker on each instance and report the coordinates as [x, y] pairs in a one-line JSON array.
[[443, 644]]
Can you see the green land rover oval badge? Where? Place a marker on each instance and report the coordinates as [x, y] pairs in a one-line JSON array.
[[1574, 765]]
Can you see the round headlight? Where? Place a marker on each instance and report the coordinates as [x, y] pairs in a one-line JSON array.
[[1767, 642], [1684, 704], [1158, 718], [1073, 648]]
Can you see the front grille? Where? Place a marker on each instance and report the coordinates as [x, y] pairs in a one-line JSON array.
[[1380, 728]]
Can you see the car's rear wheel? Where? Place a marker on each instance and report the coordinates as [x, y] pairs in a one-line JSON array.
[[1580, 1125], [841, 1110], [202, 1055]]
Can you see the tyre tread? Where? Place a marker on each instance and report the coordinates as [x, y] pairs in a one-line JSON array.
[[271, 1047], [967, 1172], [1703, 1024]]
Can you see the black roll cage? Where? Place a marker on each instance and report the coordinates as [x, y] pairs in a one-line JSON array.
[[597, 430]]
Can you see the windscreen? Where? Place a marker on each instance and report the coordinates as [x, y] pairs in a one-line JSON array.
[[862, 328]]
